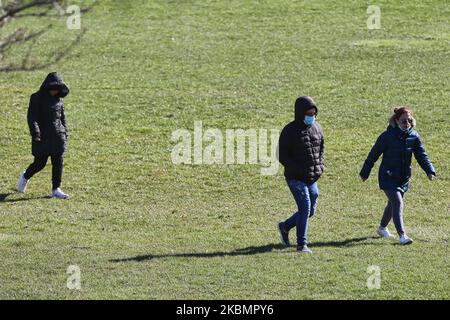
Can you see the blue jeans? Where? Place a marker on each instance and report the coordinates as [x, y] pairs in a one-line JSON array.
[[306, 199]]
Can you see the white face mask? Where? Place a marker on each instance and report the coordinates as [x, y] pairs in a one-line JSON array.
[[404, 129]]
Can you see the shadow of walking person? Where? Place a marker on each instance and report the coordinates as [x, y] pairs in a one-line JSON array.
[[242, 251], [4, 198], [238, 252]]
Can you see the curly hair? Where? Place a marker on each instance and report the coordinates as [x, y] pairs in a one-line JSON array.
[[398, 112]]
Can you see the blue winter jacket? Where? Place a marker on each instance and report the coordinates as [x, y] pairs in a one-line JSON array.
[[397, 148]]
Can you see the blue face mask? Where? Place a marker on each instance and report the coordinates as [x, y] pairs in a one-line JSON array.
[[309, 120]]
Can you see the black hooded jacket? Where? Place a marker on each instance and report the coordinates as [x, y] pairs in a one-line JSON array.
[[46, 118], [301, 147]]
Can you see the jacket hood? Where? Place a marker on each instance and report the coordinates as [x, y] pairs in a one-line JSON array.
[[303, 104], [393, 123], [56, 82], [397, 130]]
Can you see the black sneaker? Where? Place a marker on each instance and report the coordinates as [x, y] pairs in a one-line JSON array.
[[304, 249], [284, 236]]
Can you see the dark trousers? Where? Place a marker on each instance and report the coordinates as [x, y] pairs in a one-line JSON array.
[[394, 210], [40, 162]]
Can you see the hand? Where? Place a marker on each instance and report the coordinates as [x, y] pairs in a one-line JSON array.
[[37, 139], [363, 179], [430, 176]]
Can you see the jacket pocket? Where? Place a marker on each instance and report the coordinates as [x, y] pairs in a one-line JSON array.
[[393, 173], [37, 147], [408, 172], [397, 175]]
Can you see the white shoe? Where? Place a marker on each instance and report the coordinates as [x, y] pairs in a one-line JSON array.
[[22, 184], [384, 232], [58, 194], [404, 240], [304, 249]]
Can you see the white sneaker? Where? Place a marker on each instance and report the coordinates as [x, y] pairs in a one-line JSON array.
[[58, 194], [22, 184], [384, 232], [304, 249], [404, 239]]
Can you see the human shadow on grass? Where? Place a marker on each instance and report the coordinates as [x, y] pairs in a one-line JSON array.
[[343, 243], [4, 198], [241, 252], [238, 252]]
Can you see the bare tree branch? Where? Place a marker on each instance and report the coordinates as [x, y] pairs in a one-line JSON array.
[[11, 12], [44, 13], [18, 36], [16, 9], [28, 65]]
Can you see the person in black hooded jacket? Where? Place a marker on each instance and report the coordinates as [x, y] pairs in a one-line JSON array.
[[48, 129], [301, 149]]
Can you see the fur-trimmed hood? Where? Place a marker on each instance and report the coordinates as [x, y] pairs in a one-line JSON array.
[[393, 123], [398, 111]]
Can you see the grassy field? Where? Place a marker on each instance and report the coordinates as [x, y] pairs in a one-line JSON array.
[[140, 227]]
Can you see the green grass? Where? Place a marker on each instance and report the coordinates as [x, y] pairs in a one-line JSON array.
[[146, 68]]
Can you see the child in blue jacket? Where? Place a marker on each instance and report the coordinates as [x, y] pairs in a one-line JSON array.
[[397, 144]]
